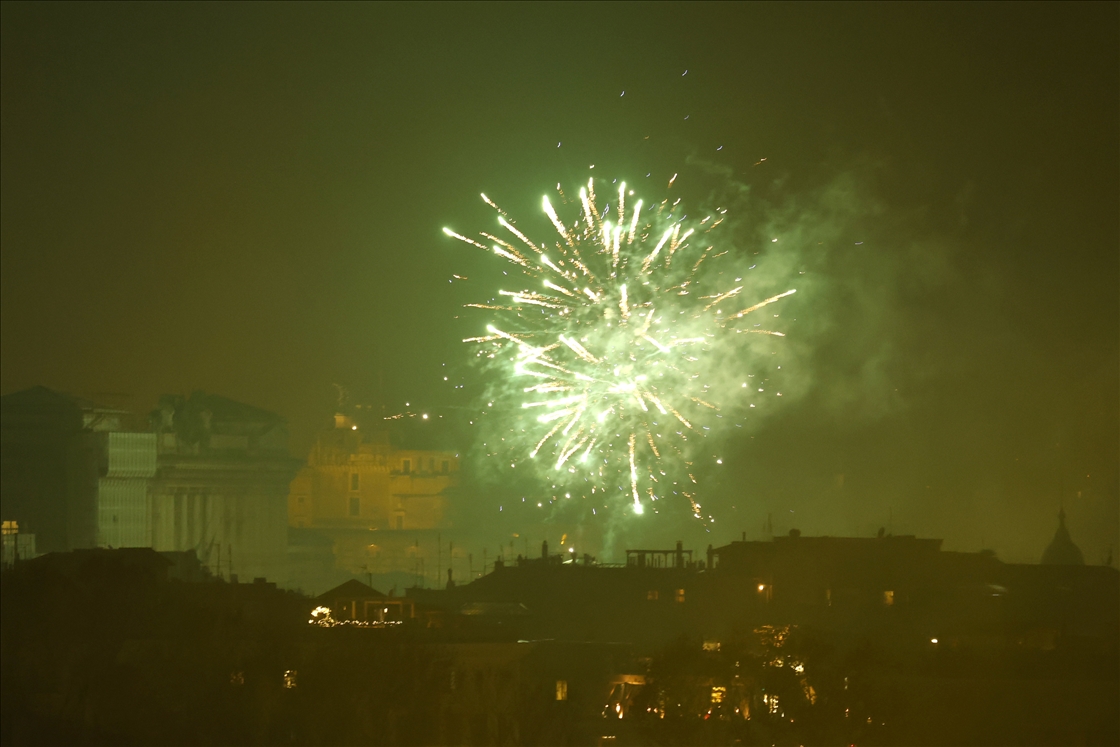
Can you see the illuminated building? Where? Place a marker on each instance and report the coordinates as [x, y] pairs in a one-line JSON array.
[[355, 601], [370, 497], [15, 546], [355, 478]]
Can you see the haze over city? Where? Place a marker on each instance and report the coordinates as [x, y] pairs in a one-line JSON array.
[[228, 222]]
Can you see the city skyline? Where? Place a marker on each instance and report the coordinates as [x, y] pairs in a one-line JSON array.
[[249, 203]]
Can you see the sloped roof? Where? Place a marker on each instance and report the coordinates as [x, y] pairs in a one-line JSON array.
[[353, 589]]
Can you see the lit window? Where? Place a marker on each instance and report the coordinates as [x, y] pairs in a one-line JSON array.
[[355, 506], [561, 689], [652, 595], [354, 480], [406, 466], [680, 595], [711, 645], [888, 598], [718, 694], [289, 679], [237, 678]]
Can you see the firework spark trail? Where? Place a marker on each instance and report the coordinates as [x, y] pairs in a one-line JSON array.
[[760, 304], [634, 477], [619, 341]]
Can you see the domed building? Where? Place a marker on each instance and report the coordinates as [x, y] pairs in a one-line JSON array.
[[1061, 550]]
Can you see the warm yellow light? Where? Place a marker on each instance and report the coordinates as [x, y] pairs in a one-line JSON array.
[[933, 640], [762, 587]]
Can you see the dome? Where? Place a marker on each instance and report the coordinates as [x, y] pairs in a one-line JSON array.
[[1062, 551]]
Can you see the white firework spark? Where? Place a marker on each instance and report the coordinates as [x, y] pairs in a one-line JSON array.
[[613, 349]]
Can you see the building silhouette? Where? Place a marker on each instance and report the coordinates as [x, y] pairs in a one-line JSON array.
[[1061, 550], [74, 473]]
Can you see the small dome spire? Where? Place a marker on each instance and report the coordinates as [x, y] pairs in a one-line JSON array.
[[1062, 551]]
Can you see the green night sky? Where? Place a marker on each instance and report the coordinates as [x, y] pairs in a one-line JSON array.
[[247, 199]]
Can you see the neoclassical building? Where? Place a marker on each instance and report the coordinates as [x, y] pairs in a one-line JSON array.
[[371, 498], [221, 485]]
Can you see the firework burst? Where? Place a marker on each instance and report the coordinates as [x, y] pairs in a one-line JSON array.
[[610, 354]]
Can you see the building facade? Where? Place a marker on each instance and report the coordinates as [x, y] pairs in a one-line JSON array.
[[370, 497], [221, 485], [74, 474], [356, 479]]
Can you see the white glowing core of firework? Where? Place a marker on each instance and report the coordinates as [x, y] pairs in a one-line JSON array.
[[616, 330]]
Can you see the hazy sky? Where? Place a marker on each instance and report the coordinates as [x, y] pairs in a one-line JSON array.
[[247, 199]]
